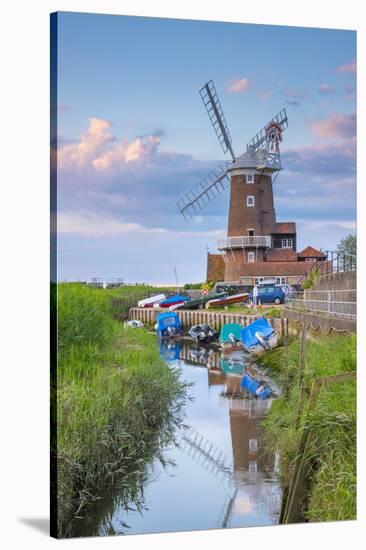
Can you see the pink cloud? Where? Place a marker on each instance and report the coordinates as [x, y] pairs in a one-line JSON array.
[[326, 89], [238, 85], [334, 127], [348, 67]]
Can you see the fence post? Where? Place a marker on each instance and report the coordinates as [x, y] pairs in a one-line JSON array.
[[303, 343]]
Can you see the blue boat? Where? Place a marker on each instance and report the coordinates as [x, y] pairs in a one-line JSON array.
[[259, 336], [168, 325], [258, 389], [175, 300]]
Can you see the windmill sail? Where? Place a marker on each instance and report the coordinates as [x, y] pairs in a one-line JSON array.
[[259, 139], [213, 107], [207, 190]]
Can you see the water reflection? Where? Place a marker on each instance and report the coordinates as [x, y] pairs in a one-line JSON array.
[[217, 473]]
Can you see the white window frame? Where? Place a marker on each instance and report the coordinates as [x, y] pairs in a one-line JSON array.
[[258, 280], [250, 198], [249, 178], [280, 280], [250, 229], [310, 259], [251, 254], [287, 243]]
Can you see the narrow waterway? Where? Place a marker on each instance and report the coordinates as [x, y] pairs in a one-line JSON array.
[[218, 474]]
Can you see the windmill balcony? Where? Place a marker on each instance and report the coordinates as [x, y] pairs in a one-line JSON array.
[[244, 242]]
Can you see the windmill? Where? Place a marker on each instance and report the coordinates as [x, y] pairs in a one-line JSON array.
[[252, 217], [262, 153]]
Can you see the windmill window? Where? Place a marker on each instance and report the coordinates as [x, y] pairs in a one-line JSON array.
[[251, 257], [250, 178], [250, 200], [286, 243]]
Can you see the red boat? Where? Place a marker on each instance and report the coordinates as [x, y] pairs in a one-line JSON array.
[[222, 302]]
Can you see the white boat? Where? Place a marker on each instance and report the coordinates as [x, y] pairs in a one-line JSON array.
[[149, 302]]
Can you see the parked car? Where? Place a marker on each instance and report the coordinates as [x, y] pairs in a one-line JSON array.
[[287, 289], [269, 295]]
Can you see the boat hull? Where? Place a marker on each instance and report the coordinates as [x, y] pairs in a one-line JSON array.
[[222, 302]]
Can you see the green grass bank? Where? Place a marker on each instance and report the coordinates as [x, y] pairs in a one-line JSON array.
[[117, 401], [331, 486]]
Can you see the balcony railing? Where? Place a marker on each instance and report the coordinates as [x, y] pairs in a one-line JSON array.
[[244, 242]]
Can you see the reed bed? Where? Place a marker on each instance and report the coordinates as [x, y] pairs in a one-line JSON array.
[[331, 490], [116, 401]]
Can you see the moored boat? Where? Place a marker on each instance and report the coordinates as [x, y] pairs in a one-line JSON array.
[[259, 337], [230, 337], [168, 325], [202, 333]]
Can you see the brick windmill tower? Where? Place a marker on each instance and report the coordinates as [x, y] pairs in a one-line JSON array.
[[252, 218]]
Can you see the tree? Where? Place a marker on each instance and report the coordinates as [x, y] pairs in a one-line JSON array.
[[347, 248]]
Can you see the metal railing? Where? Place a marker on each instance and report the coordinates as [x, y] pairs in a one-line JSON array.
[[333, 303], [244, 241], [335, 262]]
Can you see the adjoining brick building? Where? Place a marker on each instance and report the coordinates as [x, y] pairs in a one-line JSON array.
[[258, 247]]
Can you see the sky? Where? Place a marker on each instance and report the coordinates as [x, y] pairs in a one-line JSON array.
[[133, 137]]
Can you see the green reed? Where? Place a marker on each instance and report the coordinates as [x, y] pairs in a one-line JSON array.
[[115, 396], [332, 454]]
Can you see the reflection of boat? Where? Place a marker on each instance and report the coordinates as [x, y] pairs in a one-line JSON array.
[[257, 388], [226, 301], [230, 337], [202, 333], [259, 336], [170, 350], [168, 325], [232, 363]]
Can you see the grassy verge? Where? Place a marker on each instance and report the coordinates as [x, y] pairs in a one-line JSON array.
[[116, 400], [332, 484]]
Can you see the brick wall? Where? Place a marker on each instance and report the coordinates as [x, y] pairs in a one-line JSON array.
[[215, 267], [261, 217]]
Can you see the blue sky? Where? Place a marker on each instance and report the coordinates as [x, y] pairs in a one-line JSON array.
[[134, 136]]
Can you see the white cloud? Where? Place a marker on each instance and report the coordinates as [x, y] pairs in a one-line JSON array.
[[91, 224], [100, 150]]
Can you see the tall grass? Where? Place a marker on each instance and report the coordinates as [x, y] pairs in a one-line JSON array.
[[115, 399], [332, 487]]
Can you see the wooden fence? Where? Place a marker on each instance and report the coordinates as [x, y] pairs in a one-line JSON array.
[[198, 317]]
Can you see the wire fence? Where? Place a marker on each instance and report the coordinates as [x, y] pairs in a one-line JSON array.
[[333, 303]]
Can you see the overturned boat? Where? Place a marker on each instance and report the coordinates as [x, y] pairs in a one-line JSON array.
[[174, 301], [230, 337], [259, 337], [204, 334], [151, 301], [228, 300], [134, 323]]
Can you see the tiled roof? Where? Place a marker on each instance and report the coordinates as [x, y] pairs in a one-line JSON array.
[[281, 255], [310, 252], [261, 269], [284, 227]]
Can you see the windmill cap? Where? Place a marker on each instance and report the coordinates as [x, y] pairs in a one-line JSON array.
[[250, 159]]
